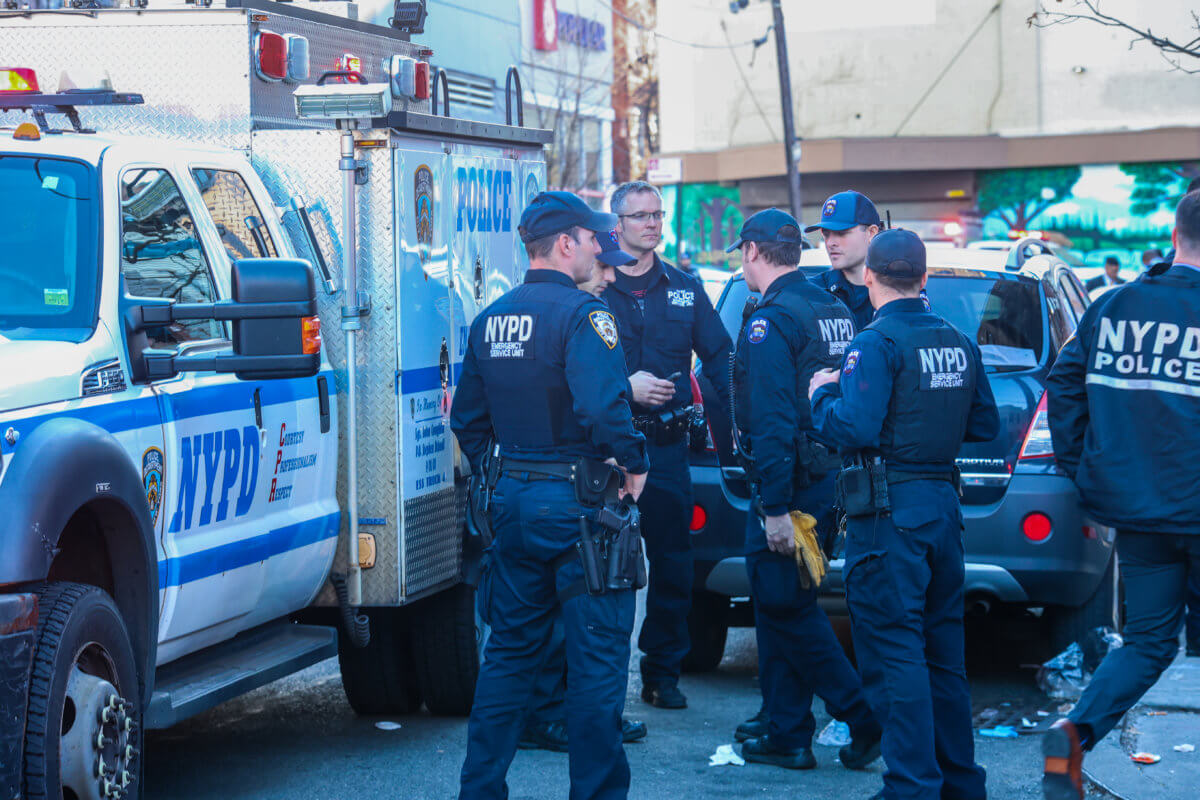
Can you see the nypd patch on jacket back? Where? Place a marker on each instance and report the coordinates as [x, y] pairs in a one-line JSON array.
[[509, 335], [1147, 355], [942, 367]]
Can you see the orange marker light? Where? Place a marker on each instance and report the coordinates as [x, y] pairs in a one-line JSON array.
[[28, 132], [311, 335]]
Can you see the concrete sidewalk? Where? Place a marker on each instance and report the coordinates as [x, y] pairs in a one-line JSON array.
[[1168, 715]]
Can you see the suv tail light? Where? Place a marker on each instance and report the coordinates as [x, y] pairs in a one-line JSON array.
[[699, 518], [1036, 527], [1037, 441]]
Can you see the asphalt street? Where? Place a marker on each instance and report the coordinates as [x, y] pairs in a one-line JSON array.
[[298, 739]]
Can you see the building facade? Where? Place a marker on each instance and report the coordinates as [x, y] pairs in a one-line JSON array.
[[944, 111]]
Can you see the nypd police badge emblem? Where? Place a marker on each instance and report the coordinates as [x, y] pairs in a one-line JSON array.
[[851, 362], [152, 476], [829, 208], [606, 326], [758, 330]]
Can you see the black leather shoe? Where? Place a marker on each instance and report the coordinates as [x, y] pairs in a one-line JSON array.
[[1062, 771], [861, 751], [632, 730], [544, 736], [754, 727], [665, 696], [763, 751]]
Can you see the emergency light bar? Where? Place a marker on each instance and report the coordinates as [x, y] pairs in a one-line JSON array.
[[343, 101]]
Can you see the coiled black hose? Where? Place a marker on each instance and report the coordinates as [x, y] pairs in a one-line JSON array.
[[357, 626]]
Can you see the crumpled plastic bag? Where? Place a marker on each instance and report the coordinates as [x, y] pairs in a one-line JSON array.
[[1065, 676], [835, 734], [726, 755]]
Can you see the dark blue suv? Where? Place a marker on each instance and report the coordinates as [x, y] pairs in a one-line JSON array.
[[1028, 543]]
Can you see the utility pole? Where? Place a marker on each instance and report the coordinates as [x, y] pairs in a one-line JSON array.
[[791, 144]]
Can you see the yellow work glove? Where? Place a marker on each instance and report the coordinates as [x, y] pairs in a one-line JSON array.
[[810, 561]]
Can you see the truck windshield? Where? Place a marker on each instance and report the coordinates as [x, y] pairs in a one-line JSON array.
[[49, 249]]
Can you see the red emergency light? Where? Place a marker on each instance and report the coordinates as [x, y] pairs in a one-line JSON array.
[[424, 87], [14, 80], [270, 56]]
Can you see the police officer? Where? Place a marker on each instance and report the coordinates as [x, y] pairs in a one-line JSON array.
[[911, 390], [546, 728], [1124, 410], [664, 315], [848, 223], [796, 329], [544, 375]]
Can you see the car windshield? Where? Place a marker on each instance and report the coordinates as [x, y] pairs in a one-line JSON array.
[[49, 252], [1003, 314]]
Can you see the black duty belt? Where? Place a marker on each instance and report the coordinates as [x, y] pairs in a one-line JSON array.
[[537, 470]]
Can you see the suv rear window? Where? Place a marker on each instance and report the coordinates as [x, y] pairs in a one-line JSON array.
[[1002, 314], [49, 248]]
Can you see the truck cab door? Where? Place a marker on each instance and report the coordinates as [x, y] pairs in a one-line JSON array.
[[212, 447]]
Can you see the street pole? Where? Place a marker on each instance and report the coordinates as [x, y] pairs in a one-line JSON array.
[[791, 145]]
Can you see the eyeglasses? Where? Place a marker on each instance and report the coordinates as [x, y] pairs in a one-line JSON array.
[[643, 217]]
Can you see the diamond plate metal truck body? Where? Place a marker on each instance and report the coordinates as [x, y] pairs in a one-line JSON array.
[[437, 211]]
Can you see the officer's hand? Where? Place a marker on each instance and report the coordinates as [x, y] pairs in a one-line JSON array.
[[780, 534], [633, 486], [649, 390], [822, 377]]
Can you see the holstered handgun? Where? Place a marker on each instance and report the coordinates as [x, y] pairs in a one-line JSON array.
[[626, 568]]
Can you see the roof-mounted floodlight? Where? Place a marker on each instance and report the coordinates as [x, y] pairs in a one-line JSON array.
[[343, 100]]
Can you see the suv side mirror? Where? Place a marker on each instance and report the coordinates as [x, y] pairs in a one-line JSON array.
[[276, 333]]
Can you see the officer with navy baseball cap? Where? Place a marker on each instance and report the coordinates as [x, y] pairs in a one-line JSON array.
[[897, 254], [549, 213], [900, 417], [848, 223], [770, 225]]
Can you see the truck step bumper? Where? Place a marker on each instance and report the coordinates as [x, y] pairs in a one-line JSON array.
[[199, 681]]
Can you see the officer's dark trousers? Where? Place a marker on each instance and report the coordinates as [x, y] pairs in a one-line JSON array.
[[535, 522], [904, 588], [798, 654], [666, 506], [550, 690], [1155, 568]]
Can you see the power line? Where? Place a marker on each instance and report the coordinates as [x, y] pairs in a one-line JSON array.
[[696, 45]]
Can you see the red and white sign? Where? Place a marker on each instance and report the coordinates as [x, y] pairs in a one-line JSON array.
[[545, 24], [664, 170]]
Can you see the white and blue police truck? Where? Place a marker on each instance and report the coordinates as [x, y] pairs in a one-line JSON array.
[[233, 308]]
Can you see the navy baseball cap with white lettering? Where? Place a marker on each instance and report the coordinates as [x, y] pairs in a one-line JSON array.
[[769, 225], [897, 253], [844, 210], [555, 212], [611, 252]]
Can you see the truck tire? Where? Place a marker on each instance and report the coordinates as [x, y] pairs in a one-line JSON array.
[[445, 650], [378, 679], [84, 699], [708, 625], [1102, 609]]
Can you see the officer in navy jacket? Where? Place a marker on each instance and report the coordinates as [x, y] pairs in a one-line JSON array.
[[848, 223], [911, 390], [796, 329], [664, 315], [544, 375], [1124, 410]]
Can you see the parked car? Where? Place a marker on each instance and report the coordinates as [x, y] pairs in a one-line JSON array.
[[1028, 542]]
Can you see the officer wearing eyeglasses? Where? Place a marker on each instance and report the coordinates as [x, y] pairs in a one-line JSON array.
[[663, 316]]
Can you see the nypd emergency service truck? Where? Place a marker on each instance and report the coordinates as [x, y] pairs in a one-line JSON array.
[[195, 493]]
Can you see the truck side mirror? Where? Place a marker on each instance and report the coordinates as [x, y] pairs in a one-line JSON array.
[[293, 340], [276, 333]]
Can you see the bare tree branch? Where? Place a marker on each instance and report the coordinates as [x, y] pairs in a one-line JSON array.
[[1172, 52]]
